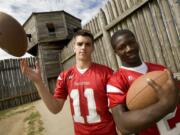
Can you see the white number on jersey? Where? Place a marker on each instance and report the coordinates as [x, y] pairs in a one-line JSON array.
[[93, 117], [164, 128]]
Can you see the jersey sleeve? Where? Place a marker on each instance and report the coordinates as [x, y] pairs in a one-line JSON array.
[[116, 90], [60, 91]]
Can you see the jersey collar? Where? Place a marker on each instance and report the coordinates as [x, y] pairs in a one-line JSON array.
[[141, 69]]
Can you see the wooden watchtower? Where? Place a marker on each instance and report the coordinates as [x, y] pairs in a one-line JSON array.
[[48, 33]]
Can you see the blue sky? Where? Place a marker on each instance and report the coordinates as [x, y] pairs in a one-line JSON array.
[[22, 9]]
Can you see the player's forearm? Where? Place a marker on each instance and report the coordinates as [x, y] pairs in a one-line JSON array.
[[52, 104], [121, 126], [129, 122]]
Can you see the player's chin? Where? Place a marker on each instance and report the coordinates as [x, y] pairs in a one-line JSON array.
[[131, 61], [83, 58], [81, 55]]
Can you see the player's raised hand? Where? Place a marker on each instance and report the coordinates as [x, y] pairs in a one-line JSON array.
[[33, 74]]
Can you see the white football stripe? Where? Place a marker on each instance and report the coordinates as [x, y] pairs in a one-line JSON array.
[[112, 89]]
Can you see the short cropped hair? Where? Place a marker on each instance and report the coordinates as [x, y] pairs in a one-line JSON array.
[[84, 32], [120, 33]]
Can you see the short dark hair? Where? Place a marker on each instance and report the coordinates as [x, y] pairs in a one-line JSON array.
[[84, 32], [120, 33]]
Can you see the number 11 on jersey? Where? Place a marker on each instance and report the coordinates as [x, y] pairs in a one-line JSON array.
[[93, 117]]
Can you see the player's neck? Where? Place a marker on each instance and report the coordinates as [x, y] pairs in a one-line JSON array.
[[83, 64]]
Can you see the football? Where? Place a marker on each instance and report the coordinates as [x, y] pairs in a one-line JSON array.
[[140, 94], [13, 38]]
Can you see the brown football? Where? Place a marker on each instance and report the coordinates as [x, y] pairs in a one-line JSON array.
[[13, 38], [140, 94]]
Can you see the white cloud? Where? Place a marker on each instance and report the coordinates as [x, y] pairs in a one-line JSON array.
[[5, 55], [22, 9]]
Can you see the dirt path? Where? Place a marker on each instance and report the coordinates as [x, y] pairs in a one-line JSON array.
[[59, 124], [14, 121], [13, 126], [25, 120]]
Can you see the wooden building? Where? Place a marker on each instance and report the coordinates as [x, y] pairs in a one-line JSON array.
[[48, 33]]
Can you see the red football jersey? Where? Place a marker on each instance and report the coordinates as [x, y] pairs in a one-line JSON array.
[[88, 99], [118, 86]]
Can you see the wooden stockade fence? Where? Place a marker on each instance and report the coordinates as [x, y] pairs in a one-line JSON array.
[[156, 24], [15, 88]]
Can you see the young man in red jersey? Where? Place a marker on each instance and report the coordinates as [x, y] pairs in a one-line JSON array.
[[85, 84], [141, 121]]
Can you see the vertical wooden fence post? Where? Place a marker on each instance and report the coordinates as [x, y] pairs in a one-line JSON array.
[[176, 12], [171, 30], [106, 42]]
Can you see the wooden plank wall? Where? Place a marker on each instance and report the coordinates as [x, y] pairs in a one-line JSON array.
[[15, 88], [156, 26], [30, 28], [67, 56], [48, 55], [58, 21]]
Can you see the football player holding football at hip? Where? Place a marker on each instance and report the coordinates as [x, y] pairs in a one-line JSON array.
[[162, 117]]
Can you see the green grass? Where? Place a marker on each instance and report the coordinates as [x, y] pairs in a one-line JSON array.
[[34, 124]]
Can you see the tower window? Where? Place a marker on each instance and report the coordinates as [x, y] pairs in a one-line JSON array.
[[50, 27], [29, 36]]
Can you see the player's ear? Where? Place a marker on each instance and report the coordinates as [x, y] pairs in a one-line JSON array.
[[74, 50], [73, 45]]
